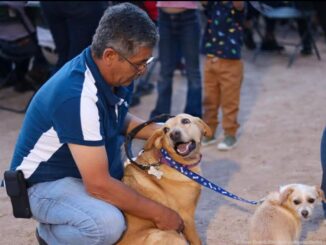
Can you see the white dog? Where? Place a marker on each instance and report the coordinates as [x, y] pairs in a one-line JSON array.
[[278, 219]]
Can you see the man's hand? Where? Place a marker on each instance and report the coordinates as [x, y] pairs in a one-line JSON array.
[[169, 220]]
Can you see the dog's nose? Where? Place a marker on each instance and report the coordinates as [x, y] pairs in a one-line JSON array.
[[175, 135], [304, 213]]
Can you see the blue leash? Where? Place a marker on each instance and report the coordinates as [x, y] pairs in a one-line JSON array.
[[179, 167], [201, 180]]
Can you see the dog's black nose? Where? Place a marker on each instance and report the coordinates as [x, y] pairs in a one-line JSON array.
[[304, 213], [175, 135]]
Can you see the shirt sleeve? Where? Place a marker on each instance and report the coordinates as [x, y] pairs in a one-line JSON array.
[[78, 121]]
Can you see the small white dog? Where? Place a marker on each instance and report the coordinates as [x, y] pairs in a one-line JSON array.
[[278, 219]]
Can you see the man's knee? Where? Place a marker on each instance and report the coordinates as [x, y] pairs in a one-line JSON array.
[[113, 228]]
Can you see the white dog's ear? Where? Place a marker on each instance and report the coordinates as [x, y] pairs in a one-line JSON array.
[[155, 140], [206, 130], [321, 194], [284, 195]]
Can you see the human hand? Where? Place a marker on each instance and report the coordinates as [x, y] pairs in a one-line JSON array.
[[169, 220]]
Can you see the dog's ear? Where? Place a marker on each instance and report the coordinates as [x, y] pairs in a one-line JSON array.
[[155, 140], [321, 194], [206, 130], [284, 195]]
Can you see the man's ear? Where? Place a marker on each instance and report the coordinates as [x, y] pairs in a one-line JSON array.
[[108, 55], [155, 140], [321, 194], [285, 194], [206, 130]]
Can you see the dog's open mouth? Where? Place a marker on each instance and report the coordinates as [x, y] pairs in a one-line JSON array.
[[185, 148]]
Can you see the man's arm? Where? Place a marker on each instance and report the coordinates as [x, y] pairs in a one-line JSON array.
[[132, 121], [92, 163]]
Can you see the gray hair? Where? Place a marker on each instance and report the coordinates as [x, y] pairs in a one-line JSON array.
[[125, 28]]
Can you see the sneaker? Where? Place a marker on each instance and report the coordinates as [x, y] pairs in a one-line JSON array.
[[228, 143], [208, 141], [39, 239]]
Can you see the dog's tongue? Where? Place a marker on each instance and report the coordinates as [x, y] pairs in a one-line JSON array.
[[183, 148]]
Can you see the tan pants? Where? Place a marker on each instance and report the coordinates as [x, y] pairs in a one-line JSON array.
[[222, 84]]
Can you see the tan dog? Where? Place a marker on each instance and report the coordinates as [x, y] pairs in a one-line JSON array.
[[278, 220], [181, 138]]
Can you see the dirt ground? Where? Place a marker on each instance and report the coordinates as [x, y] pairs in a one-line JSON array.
[[282, 116]]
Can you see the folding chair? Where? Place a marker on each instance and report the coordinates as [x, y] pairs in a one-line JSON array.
[[290, 12], [17, 40]]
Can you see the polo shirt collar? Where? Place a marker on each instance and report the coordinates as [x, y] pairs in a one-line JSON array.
[[103, 86]]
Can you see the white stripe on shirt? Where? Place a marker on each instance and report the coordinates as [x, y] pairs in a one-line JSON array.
[[43, 150], [89, 114]]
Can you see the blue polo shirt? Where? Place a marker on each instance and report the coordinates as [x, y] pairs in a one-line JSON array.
[[75, 106]]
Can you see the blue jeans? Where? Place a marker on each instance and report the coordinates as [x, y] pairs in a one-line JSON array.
[[179, 30], [323, 164], [68, 215]]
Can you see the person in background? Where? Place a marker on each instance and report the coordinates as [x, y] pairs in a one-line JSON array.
[[69, 148], [320, 8], [179, 26], [250, 15], [143, 86], [223, 73], [18, 45], [72, 25], [269, 42]]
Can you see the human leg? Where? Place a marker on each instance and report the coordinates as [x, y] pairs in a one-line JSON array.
[[82, 21], [40, 71], [6, 67], [269, 42], [320, 8], [54, 16], [189, 39], [21, 68], [305, 35], [69, 215], [167, 49], [250, 15], [211, 94], [231, 79]]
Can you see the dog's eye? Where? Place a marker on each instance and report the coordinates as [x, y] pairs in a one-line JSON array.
[[311, 200], [296, 202], [185, 121], [165, 130]]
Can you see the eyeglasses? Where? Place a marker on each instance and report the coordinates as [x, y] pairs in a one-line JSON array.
[[139, 68]]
